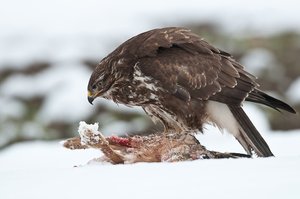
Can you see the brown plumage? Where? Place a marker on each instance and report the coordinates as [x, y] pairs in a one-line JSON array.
[[182, 81]]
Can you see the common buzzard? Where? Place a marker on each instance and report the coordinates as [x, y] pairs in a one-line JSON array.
[[182, 81]]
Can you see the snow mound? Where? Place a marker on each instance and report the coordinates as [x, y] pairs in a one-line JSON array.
[[85, 129], [83, 126]]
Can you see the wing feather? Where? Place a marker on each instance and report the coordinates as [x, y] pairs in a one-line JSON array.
[[177, 58]]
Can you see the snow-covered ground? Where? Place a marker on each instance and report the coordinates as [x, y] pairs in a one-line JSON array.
[[46, 170]]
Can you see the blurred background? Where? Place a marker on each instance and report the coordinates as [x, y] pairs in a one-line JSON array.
[[49, 48]]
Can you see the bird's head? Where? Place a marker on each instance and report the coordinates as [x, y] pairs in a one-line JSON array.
[[100, 82]]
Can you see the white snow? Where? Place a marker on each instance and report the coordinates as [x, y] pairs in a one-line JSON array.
[[65, 86], [34, 30], [13, 108], [88, 17], [57, 76], [257, 60], [293, 92], [45, 170], [83, 126], [85, 129]]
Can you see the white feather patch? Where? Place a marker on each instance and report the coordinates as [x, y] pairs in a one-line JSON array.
[[220, 115]]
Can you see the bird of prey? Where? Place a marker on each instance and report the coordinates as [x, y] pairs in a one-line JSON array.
[[182, 81]]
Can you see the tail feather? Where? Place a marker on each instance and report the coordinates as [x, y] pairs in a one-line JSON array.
[[249, 137], [258, 96]]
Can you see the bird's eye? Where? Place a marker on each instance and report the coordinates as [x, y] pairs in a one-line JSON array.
[[94, 87]]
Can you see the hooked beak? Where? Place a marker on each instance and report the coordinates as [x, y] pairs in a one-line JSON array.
[[90, 98]]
